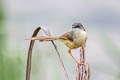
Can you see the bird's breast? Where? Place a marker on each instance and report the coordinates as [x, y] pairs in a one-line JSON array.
[[79, 37]]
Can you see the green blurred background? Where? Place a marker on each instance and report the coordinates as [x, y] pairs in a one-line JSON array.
[[19, 18]]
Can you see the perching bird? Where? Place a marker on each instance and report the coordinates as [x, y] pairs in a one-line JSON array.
[[73, 39]]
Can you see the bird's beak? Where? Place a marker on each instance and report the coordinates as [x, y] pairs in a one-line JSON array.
[[74, 27]]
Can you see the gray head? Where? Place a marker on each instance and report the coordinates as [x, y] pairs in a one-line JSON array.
[[78, 25]]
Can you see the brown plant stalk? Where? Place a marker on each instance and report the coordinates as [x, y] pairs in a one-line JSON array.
[[83, 71], [59, 57], [29, 58]]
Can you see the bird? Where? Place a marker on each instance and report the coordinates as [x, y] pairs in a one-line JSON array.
[[74, 39]]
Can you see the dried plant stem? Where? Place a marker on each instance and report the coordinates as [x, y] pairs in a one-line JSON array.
[[59, 57], [67, 77], [28, 67], [83, 71]]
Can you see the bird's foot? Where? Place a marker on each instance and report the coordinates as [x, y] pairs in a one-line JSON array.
[[84, 45], [80, 63]]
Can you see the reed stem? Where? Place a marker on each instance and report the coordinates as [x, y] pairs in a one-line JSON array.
[[83, 71]]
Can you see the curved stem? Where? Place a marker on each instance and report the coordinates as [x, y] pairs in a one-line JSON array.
[[29, 58]]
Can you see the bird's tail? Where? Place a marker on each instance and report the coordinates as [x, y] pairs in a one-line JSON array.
[[43, 38]]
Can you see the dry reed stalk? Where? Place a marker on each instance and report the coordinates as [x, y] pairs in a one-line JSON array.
[[29, 58], [59, 57], [83, 71]]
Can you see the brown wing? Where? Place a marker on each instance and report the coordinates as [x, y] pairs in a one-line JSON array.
[[67, 36]]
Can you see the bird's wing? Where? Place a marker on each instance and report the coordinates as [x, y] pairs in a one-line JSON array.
[[67, 36]]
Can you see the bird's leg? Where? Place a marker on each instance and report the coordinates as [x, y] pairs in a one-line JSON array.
[[69, 51], [84, 45]]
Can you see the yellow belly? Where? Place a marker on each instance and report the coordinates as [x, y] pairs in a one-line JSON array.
[[70, 44], [73, 45]]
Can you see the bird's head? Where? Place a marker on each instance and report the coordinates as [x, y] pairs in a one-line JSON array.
[[78, 26]]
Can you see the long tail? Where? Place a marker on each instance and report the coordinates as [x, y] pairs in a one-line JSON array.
[[43, 38]]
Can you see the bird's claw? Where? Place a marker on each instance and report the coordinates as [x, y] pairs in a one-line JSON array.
[[84, 45], [80, 63]]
